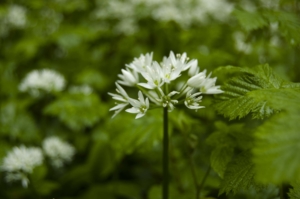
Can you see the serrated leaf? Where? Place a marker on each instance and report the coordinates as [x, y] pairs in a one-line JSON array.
[[224, 136], [277, 148], [239, 175], [219, 159], [243, 92], [250, 20], [225, 140], [289, 23]]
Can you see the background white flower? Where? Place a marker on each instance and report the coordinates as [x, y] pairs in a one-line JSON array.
[[45, 79], [185, 13], [20, 161], [16, 16], [58, 151]]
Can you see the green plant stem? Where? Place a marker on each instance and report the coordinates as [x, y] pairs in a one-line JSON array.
[[194, 174], [193, 169], [165, 160], [204, 179]]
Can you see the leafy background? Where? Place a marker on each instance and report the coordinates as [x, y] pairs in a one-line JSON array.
[[246, 140]]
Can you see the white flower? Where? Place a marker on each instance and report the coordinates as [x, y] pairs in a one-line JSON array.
[[180, 61], [140, 106], [197, 80], [194, 69], [16, 16], [45, 79], [170, 71], [20, 161], [208, 86], [139, 64], [192, 100], [153, 74], [128, 77], [22, 158], [58, 151], [121, 97], [205, 84]]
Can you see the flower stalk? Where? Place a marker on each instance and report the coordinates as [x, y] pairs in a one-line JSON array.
[[165, 160]]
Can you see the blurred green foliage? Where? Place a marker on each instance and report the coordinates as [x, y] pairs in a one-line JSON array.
[[255, 156]]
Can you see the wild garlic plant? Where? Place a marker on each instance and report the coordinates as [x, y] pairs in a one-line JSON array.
[[163, 85]]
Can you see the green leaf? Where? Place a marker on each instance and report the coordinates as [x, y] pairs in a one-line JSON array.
[[220, 157], [277, 140], [295, 192], [77, 110], [93, 78], [16, 122], [243, 93], [226, 139], [239, 175], [250, 20], [289, 24], [127, 134], [276, 153]]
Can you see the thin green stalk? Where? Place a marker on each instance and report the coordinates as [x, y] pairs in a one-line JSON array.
[[194, 174], [192, 166], [204, 179], [165, 160]]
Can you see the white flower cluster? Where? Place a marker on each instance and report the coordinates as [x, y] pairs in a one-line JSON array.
[[157, 81], [16, 16], [185, 13], [42, 80], [58, 151], [20, 162]]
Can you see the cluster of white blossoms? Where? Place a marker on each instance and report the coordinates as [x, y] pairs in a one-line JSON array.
[[20, 162], [42, 80], [16, 16], [158, 84], [185, 13], [58, 151]]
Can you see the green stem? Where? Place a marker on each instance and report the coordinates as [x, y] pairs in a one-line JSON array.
[[165, 160], [193, 169], [194, 174], [203, 180]]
